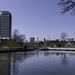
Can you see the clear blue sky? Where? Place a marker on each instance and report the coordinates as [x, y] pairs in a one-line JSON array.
[[39, 18]]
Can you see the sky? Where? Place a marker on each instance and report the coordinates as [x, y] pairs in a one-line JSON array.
[[39, 18]]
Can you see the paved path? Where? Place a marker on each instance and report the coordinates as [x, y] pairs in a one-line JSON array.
[[42, 48], [69, 49], [54, 52]]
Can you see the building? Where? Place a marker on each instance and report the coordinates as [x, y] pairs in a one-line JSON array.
[[44, 39], [70, 39], [32, 39], [5, 25]]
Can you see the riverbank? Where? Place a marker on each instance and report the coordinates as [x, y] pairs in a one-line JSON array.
[[39, 49], [16, 50], [63, 49]]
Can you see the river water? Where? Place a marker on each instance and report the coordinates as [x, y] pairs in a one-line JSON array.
[[37, 63]]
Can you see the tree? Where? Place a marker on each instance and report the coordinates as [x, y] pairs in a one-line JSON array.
[[10, 44], [18, 38], [63, 36], [15, 35], [67, 5]]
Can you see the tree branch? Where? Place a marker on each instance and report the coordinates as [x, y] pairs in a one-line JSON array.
[[67, 5]]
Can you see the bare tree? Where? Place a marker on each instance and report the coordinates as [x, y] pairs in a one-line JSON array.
[[15, 35], [63, 36], [18, 38], [67, 5]]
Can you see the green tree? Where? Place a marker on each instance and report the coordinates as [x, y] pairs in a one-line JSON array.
[[10, 44]]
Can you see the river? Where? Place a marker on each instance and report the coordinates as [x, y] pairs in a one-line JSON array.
[[37, 63]]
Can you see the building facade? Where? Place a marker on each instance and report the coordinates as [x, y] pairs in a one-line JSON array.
[[32, 39], [5, 25], [70, 39]]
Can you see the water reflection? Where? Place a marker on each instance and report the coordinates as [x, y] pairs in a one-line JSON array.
[[64, 59], [5, 64], [16, 63]]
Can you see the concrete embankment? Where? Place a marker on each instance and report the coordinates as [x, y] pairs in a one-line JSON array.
[[42, 48], [55, 49], [62, 49], [17, 50], [39, 49]]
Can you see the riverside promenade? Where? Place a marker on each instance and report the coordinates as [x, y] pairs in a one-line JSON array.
[[55, 49], [62, 49]]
